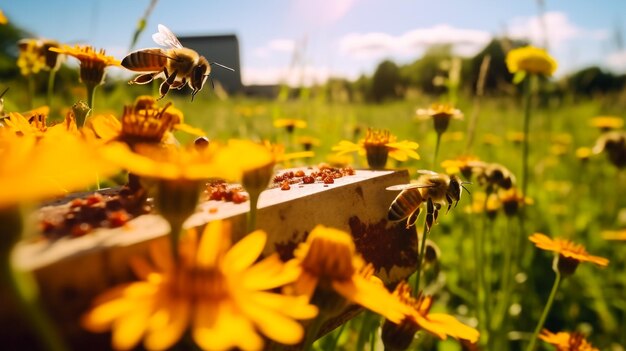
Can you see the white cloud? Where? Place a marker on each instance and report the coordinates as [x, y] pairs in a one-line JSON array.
[[558, 27], [307, 75], [274, 46], [617, 61], [370, 45]]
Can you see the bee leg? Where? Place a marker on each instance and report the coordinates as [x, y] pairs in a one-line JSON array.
[[410, 221], [163, 89], [430, 218], [178, 85], [143, 79], [165, 86]]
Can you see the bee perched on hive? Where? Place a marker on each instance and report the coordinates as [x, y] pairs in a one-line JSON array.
[[177, 65], [434, 189]]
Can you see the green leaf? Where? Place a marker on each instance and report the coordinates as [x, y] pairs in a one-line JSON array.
[[519, 77]]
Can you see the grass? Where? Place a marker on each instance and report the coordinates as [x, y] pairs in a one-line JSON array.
[[572, 199]]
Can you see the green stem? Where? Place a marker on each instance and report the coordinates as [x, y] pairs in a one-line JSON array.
[[544, 315], [31, 90], [91, 94], [420, 259], [335, 339], [487, 254], [526, 144], [51, 78], [312, 331], [254, 200], [505, 279], [480, 285], [436, 150], [175, 231]]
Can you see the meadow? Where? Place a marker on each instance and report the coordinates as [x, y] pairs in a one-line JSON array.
[[486, 273]]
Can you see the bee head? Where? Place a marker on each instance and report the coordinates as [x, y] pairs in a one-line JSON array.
[[199, 76]]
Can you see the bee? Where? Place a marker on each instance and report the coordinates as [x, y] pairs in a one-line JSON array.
[[178, 65], [434, 189]]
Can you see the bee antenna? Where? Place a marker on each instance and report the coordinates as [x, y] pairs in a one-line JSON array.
[[219, 64], [4, 92], [212, 82]]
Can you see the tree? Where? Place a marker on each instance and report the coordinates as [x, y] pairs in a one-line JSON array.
[[386, 82]]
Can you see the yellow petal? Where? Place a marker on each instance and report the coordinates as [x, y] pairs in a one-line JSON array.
[[189, 129], [273, 324], [100, 318], [128, 329], [243, 254], [305, 284], [296, 307], [208, 330], [212, 243], [444, 324], [372, 296], [106, 127], [270, 273], [162, 337]]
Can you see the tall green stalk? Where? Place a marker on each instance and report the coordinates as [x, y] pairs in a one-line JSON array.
[[254, 200], [436, 150], [50, 92], [420, 260], [544, 314], [91, 94], [526, 145]]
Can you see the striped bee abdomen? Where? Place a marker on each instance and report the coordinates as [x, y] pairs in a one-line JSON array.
[[407, 202], [147, 60]]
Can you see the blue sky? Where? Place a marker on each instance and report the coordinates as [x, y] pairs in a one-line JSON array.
[[338, 37]]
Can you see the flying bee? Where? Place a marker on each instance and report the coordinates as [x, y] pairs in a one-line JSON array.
[[435, 189], [178, 65]]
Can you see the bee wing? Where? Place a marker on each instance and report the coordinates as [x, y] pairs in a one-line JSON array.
[[166, 38], [427, 172], [407, 186]]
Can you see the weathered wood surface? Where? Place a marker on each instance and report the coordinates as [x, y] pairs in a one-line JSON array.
[[70, 272]]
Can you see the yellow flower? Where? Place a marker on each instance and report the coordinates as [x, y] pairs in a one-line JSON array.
[[377, 146], [332, 274], [441, 114], [35, 168], [398, 336], [583, 153], [290, 124], [614, 234], [569, 254], [307, 142], [564, 341], [531, 60], [606, 123], [170, 162], [215, 290], [515, 137], [461, 164], [142, 123], [492, 139], [3, 18], [30, 61], [92, 62], [512, 199]]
